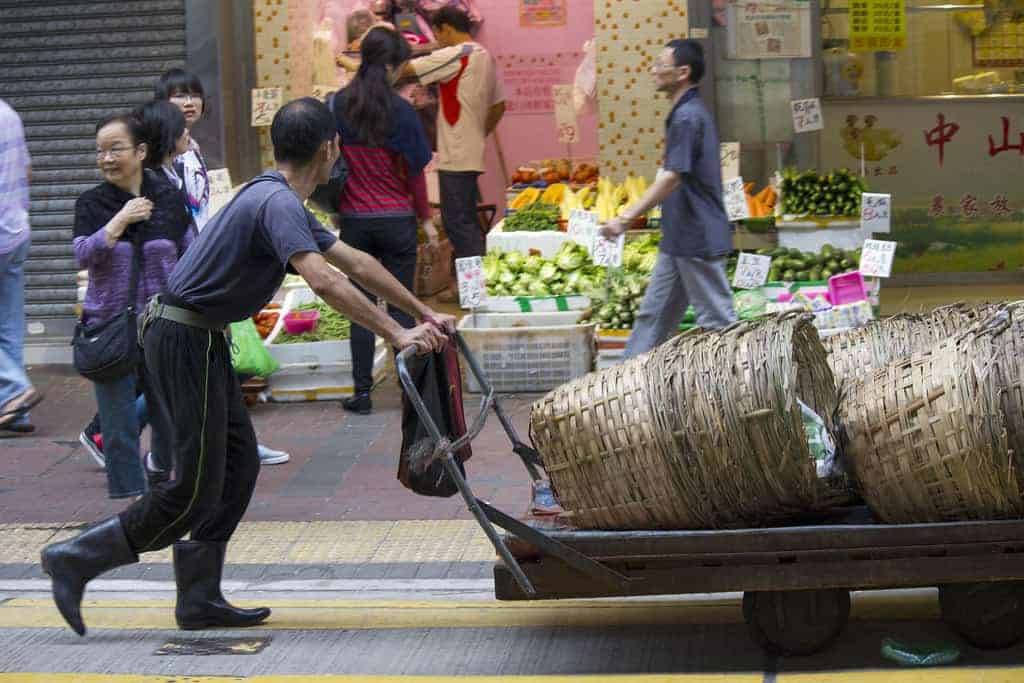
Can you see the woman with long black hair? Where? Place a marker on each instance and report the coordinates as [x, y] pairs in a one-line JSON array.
[[386, 149]]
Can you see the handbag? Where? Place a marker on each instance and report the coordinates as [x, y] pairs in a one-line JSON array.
[[108, 351], [326, 197]]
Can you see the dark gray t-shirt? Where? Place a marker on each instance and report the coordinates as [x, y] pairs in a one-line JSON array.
[[693, 219], [240, 258]]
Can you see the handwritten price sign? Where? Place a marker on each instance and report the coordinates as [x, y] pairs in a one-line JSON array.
[[472, 287], [265, 103], [751, 271], [729, 155], [220, 188], [607, 253], [807, 115], [582, 227], [565, 114], [875, 210], [876, 258], [735, 200]]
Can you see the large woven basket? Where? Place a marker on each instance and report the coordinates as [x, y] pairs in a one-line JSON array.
[[704, 432], [927, 437], [861, 351]]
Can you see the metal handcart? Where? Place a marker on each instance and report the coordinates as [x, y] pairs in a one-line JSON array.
[[796, 580]]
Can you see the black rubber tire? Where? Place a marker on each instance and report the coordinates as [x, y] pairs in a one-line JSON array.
[[796, 622], [989, 616]]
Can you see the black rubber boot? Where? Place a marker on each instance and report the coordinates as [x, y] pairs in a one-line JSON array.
[[198, 567], [73, 563], [360, 404]]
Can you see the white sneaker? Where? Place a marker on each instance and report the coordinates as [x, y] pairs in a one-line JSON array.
[[268, 456], [92, 449]]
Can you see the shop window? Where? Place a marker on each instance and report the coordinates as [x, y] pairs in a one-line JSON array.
[[948, 49]]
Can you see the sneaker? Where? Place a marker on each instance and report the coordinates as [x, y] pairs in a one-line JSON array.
[[154, 475], [93, 442], [268, 456], [360, 404]]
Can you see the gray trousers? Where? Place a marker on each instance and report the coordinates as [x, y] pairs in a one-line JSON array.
[[678, 282]]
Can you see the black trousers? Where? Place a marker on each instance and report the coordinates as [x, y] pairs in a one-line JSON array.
[[392, 241], [459, 195], [194, 397]]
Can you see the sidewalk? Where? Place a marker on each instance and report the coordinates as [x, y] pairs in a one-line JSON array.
[[342, 468]]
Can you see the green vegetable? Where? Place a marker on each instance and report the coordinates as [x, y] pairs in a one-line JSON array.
[[534, 218], [332, 326]]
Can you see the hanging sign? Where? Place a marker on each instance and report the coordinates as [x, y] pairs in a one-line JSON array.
[[875, 212], [751, 271], [729, 155], [776, 29], [472, 287], [565, 114], [536, 13], [878, 25], [807, 115], [265, 103], [582, 227], [876, 258], [735, 200]]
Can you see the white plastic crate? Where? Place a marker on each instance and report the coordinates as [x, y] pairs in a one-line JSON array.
[[528, 352], [295, 382], [536, 304]]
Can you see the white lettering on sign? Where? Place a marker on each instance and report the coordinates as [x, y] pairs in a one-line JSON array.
[[582, 227], [265, 103], [876, 258], [751, 271], [729, 154], [875, 212], [565, 114], [735, 200], [807, 115], [607, 253], [472, 288]]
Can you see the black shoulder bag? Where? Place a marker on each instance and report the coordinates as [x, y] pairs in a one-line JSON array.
[[108, 351], [326, 197]]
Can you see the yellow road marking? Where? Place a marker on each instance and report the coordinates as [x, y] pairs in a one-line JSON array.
[[368, 614], [940, 675]]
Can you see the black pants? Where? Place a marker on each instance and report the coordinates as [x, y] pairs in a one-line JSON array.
[[459, 195], [391, 240], [194, 396]]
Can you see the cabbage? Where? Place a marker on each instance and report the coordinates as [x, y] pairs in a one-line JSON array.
[[548, 271], [506, 277], [515, 261], [538, 288]]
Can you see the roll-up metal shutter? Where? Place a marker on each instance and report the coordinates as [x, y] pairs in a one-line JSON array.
[[63, 66]]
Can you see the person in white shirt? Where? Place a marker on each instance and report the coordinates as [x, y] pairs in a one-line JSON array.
[[472, 102]]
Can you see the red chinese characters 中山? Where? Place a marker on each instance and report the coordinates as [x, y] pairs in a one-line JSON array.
[[1006, 146], [941, 135]]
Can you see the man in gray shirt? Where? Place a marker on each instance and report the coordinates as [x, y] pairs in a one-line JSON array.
[[695, 230]]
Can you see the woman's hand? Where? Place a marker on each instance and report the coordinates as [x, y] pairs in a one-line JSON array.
[[134, 211], [433, 240]]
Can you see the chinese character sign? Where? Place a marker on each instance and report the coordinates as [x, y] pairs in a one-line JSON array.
[[529, 80], [565, 114], [878, 25], [876, 258], [472, 287], [729, 156], [220, 188], [533, 13], [582, 227], [735, 199], [607, 253], [751, 271], [875, 212], [807, 115], [265, 103]]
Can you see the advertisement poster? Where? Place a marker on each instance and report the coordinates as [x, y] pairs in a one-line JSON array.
[[536, 13], [768, 30], [878, 25], [953, 170], [529, 80]]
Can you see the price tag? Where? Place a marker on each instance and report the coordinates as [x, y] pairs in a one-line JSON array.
[[582, 227], [807, 115], [220, 188], [472, 287], [876, 258], [565, 114], [321, 91], [751, 271], [607, 253], [875, 210], [265, 103], [729, 154], [735, 200]]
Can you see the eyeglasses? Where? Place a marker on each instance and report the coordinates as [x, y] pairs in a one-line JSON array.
[[113, 152], [185, 97]]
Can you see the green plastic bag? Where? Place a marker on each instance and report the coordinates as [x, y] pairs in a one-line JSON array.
[[248, 354]]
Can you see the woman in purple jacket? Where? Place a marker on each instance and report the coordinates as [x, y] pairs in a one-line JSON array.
[[131, 205]]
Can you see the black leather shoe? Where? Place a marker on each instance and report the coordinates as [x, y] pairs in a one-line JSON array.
[[20, 428], [73, 563], [358, 403], [198, 567], [154, 475]]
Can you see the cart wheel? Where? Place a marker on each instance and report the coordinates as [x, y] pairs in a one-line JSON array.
[[796, 622], [988, 615]]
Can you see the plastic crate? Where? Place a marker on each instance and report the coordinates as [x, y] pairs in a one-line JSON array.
[[295, 382], [528, 352]]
